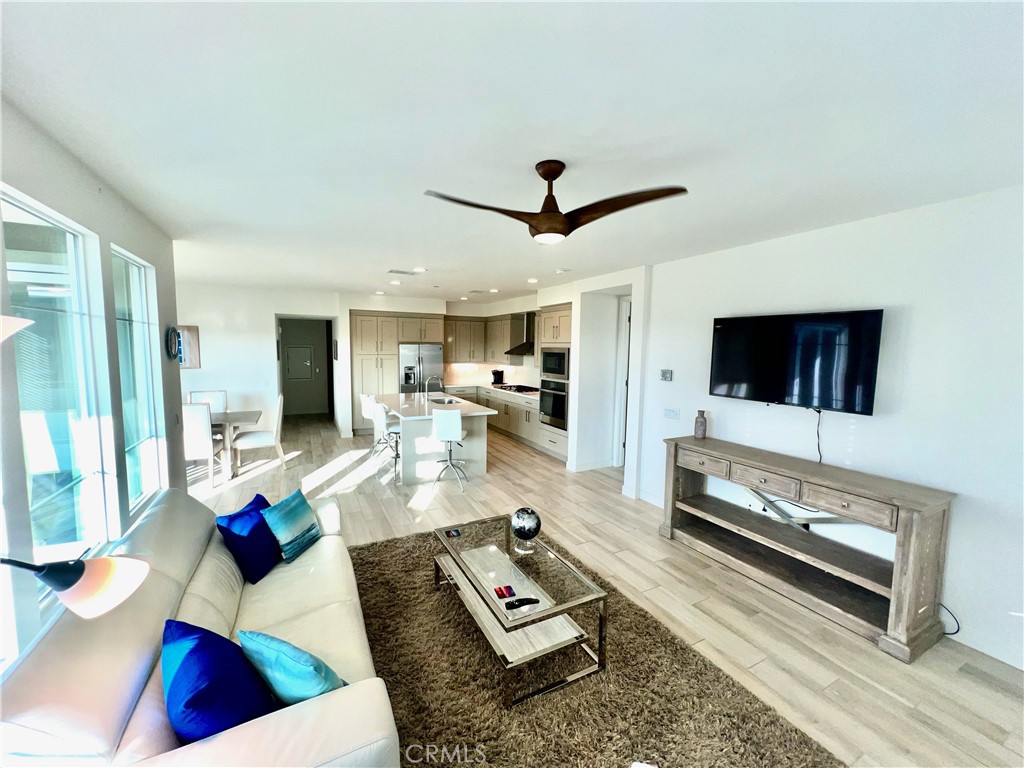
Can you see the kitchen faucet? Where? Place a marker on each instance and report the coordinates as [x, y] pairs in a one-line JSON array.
[[426, 384]]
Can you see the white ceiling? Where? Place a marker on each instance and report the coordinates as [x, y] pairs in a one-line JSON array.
[[291, 143]]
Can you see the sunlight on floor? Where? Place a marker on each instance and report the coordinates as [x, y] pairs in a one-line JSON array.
[[204, 490]]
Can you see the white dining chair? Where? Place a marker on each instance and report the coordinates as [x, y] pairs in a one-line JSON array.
[[217, 399], [246, 441], [200, 442], [447, 426]]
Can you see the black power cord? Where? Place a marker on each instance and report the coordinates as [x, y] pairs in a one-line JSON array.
[[817, 432], [953, 616]]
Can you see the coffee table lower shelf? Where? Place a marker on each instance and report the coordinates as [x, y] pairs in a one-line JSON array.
[[529, 643]]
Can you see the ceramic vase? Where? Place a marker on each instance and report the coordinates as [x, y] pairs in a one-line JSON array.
[[700, 426]]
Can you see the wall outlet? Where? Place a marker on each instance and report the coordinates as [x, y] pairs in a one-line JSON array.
[[666, 374], [671, 413]]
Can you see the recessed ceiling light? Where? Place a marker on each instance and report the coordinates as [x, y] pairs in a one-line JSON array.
[[561, 271], [396, 282], [419, 269], [493, 290], [463, 298], [532, 280], [380, 293]]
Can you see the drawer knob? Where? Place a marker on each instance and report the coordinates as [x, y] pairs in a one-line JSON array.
[[764, 480], [845, 505], [701, 463]]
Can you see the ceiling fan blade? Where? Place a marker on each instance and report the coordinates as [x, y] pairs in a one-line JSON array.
[[594, 211], [524, 216]]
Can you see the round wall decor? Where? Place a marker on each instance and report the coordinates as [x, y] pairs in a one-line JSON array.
[[171, 343]]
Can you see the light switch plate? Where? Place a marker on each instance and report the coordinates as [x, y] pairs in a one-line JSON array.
[[671, 413], [666, 374]]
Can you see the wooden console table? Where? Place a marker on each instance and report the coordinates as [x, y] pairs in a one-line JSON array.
[[894, 604]]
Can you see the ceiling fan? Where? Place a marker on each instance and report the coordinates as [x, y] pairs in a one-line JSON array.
[[550, 225]]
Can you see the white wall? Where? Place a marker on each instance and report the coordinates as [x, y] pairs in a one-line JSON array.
[[636, 282], [595, 396], [948, 410], [238, 339], [37, 166]]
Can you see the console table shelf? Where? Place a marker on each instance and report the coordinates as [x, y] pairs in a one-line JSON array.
[[894, 604], [872, 573]]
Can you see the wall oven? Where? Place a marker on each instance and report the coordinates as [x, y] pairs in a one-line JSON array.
[[554, 397], [554, 363]]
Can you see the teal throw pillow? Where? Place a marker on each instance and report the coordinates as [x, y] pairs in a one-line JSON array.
[[293, 674], [293, 524]]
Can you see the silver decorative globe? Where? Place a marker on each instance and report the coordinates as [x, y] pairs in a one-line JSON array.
[[525, 523]]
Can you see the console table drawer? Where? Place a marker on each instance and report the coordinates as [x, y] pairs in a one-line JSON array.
[[847, 505], [703, 463], [780, 485]]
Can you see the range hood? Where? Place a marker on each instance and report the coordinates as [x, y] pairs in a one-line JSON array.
[[522, 333]]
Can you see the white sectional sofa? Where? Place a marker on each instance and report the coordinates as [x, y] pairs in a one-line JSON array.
[[90, 692]]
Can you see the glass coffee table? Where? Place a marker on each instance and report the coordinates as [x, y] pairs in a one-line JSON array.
[[483, 559]]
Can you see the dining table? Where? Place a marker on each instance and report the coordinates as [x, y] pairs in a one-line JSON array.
[[229, 421]]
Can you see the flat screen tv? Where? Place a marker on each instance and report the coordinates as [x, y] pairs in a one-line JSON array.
[[825, 360]]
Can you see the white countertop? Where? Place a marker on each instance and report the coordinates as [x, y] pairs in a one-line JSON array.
[[411, 406], [495, 390]]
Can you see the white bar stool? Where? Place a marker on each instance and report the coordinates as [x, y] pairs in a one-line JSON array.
[[448, 428]]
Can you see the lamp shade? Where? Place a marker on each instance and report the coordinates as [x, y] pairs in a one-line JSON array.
[[11, 325], [90, 588]]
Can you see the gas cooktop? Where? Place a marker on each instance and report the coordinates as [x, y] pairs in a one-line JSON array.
[[521, 388]]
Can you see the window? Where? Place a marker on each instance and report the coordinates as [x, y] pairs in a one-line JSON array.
[[75, 484], [136, 334], [67, 477]]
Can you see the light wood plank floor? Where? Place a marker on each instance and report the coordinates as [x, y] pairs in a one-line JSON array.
[[952, 707]]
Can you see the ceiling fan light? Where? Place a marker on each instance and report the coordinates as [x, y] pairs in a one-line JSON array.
[[549, 238]]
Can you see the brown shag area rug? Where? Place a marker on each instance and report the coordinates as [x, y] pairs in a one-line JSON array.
[[658, 701]]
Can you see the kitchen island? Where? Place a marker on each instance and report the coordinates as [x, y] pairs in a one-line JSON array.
[[420, 452]]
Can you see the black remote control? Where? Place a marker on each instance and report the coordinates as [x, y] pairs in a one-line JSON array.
[[519, 602]]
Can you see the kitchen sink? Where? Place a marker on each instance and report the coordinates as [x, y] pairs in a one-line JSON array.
[[443, 400]]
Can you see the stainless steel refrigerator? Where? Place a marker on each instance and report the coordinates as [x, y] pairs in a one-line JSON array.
[[416, 364]]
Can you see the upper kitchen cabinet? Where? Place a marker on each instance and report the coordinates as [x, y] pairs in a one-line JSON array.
[[374, 335], [421, 330], [556, 324], [465, 341], [498, 335]]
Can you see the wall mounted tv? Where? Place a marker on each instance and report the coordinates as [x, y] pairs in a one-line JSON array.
[[825, 360]]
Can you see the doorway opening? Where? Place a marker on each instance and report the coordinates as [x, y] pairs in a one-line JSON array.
[[305, 365]]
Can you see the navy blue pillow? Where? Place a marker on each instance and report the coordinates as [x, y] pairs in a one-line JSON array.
[[249, 539], [209, 684]]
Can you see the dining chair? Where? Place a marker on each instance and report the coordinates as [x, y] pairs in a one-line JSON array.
[[217, 399], [246, 441], [447, 427], [200, 442]]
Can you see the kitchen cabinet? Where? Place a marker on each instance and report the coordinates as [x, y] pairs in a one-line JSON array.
[[374, 335], [465, 341], [526, 423], [498, 340], [426, 330], [371, 375], [556, 325], [465, 393], [518, 415]]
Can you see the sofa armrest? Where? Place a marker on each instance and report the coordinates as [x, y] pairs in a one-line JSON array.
[[352, 726], [328, 515]]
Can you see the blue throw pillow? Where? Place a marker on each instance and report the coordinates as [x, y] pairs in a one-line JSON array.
[[294, 525], [293, 674], [209, 684], [250, 540]]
